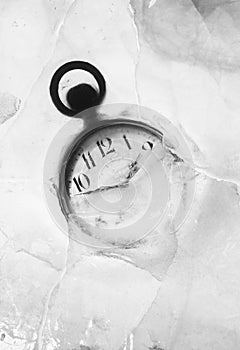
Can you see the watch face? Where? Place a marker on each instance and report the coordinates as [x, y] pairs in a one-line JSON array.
[[106, 156], [115, 182], [120, 174]]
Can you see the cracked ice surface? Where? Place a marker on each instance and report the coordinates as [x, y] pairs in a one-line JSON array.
[[180, 58], [193, 50]]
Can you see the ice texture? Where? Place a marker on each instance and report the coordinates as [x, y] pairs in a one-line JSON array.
[[180, 58]]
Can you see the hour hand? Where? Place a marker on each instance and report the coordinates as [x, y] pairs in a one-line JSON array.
[[145, 158]]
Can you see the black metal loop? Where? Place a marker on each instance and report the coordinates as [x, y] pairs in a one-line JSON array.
[[66, 68]]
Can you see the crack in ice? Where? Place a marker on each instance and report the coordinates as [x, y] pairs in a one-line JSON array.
[[40, 258], [138, 45], [39, 343]]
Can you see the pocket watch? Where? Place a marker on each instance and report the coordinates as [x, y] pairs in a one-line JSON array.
[[118, 173]]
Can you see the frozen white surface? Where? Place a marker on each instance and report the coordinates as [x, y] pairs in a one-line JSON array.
[[179, 58]]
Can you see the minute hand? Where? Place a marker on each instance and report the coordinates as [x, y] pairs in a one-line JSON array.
[[156, 153]]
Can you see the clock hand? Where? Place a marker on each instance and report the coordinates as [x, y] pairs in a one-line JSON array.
[[144, 156], [134, 168], [103, 188]]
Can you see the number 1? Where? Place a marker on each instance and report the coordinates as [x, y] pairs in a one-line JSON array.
[[127, 142]]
